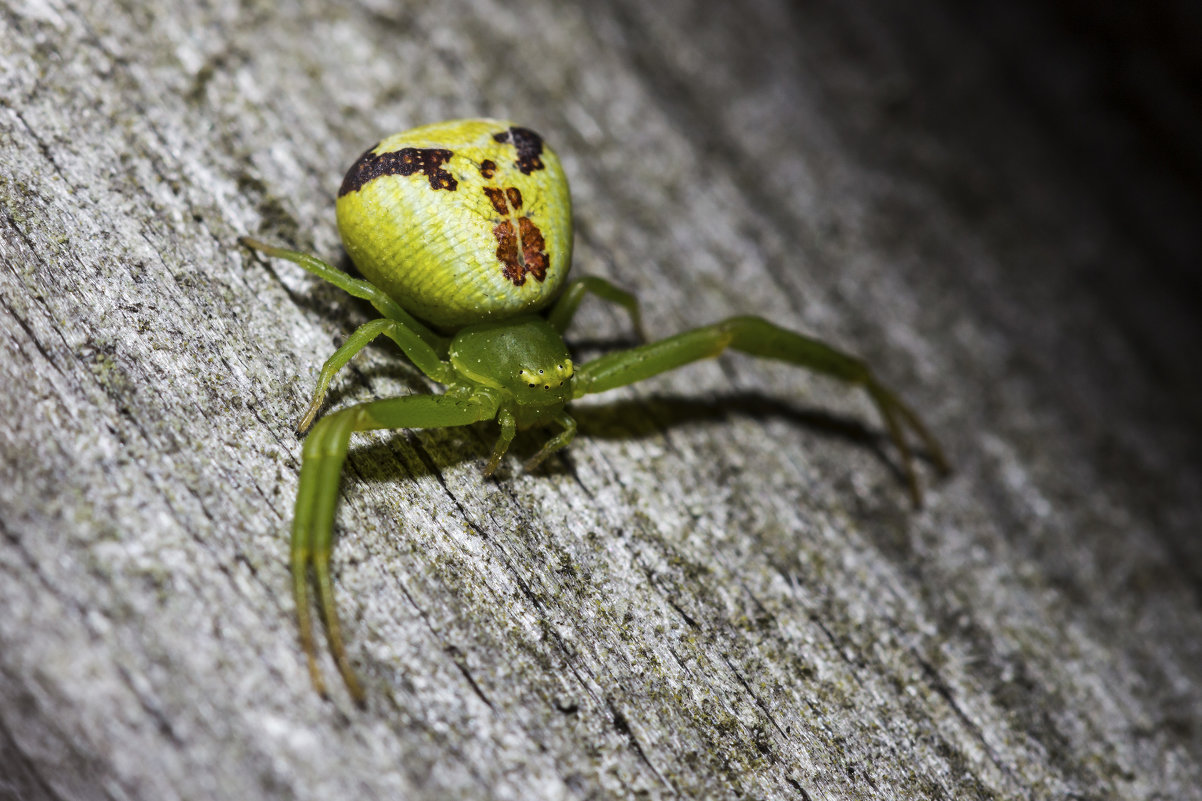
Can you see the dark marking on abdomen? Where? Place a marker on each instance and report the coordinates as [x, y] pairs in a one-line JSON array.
[[500, 197], [406, 161], [529, 146], [532, 260]]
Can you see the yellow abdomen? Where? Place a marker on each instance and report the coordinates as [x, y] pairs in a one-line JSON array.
[[460, 222]]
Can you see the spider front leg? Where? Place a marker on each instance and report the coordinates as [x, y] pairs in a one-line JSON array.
[[424, 348], [355, 287], [564, 309], [421, 354], [758, 337], [317, 496]]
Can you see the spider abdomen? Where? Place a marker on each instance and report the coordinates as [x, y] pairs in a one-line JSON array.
[[460, 222]]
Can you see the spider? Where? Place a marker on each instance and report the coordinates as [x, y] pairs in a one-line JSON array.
[[467, 226]]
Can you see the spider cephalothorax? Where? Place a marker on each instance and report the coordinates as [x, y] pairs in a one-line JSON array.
[[467, 226]]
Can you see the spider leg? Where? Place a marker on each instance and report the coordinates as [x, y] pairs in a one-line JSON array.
[[564, 309], [555, 443], [317, 496], [509, 427], [355, 287], [758, 337], [409, 341]]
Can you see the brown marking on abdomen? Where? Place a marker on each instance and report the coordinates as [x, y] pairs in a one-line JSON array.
[[406, 161], [528, 144], [532, 260], [497, 198]]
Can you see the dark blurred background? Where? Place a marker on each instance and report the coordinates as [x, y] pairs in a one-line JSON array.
[[1113, 97], [1119, 87]]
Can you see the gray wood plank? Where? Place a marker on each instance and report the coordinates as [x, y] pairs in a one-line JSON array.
[[720, 590]]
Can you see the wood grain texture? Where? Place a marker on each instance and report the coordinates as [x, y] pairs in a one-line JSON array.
[[720, 590]]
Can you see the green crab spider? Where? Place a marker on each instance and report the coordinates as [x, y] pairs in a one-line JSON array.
[[504, 359]]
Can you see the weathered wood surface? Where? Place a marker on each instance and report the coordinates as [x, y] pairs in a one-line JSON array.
[[720, 591]]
